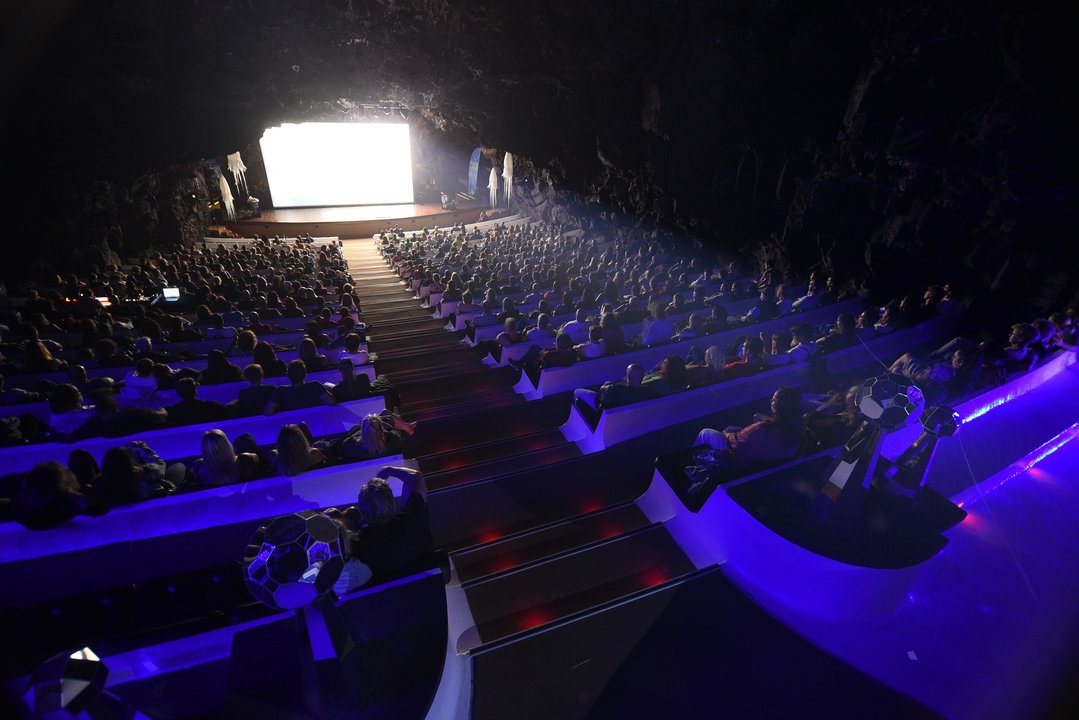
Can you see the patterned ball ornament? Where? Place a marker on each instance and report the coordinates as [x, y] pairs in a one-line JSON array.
[[299, 560], [940, 421], [892, 401], [68, 683]]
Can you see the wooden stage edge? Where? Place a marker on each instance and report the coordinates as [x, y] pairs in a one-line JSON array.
[[354, 222]]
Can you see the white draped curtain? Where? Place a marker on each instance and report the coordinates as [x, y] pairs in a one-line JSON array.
[[507, 175], [492, 187], [226, 197], [239, 170]]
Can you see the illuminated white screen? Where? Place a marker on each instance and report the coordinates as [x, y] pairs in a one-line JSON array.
[[317, 164]]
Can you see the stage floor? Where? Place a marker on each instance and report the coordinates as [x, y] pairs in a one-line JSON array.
[[355, 221], [350, 213]]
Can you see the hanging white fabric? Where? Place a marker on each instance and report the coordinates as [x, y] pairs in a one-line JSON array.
[[226, 197], [507, 175], [237, 167], [492, 186]]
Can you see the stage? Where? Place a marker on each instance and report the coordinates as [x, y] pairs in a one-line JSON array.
[[355, 221]]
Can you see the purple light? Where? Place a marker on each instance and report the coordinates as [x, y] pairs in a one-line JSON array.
[[1018, 467]]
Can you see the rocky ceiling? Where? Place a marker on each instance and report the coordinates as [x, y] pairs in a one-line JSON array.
[[870, 136]]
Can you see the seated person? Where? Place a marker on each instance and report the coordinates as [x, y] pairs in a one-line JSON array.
[[67, 413], [255, 325], [542, 332], [790, 350], [656, 329], [266, 357], [668, 377], [765, 309], [1066, 331], [220, 464], [76, 375], [843, 335], [866, 324], [252, 399], [310, 357], [313, 331], [810, 301], [50, 496], [354, 350], [167, 378], [17, 396], [705, 373], [486, 316], [1020, 354], [594, 347], [298, 394], [717, 320], [467, 306], [219, 370], [932, 377], [561, 355], [38, 358], [749, 362], [376, 435], [577, 329], [770, 438], [294, 453], [352, 385], [784, 304], [389, 539], [509, 310], [693, 327], [109, 355], [613, 394], [832, 422], [614, 339], [217, 329], [134, 472], [509, 336], [110, 420], [191, 410], [140, 383], [245, 343]]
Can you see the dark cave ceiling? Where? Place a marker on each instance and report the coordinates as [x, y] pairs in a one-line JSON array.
[[844, 133]]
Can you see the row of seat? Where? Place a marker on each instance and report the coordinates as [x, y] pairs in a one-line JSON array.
[[619, 424]]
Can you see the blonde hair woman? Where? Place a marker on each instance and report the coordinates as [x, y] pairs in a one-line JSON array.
[[294, 453], [220, 464], [375, 436]]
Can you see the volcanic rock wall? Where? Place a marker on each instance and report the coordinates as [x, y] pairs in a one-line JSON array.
[[879, 139]]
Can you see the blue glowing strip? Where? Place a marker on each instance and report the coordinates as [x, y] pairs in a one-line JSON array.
[[1020, 386], [1018, 467]]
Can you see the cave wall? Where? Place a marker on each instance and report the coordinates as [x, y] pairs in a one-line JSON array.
[[879, 139]]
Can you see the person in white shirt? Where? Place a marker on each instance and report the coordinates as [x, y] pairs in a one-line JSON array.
[[809, 301], [140, 383], [594, 347], [355, 350], [578, 329], [656, 329], [542, 332]]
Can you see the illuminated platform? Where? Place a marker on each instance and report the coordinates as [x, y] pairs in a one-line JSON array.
[[356, 221]]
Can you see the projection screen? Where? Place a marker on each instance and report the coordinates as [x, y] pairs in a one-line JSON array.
[[319, 164]]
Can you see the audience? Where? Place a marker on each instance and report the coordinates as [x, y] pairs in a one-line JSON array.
[[298, 393]]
